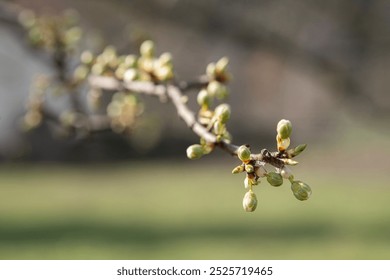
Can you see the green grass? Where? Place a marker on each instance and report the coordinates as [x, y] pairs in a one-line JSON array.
[[167, 210]]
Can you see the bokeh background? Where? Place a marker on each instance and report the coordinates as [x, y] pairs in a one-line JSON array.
[[323, 65]]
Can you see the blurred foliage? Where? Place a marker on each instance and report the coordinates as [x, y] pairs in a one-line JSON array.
[[306, 58]]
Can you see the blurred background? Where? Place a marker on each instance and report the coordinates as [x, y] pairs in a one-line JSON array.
[[322, 65]]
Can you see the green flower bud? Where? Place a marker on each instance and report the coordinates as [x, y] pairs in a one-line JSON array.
[[284, 128], [249, 168], [274, 179], [243, 153], [219, 128], [217, 89], [301, 190], [249, 203], [238, 169], [296, 151], [299, 149], [203, 98], [222, 112], [195, 151], [147, 49]]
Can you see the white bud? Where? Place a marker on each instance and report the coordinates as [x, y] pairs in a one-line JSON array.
[[249, 203], [221, 65], [147, 48], [130, 75]]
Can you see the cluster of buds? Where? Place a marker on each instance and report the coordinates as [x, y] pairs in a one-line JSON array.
[[255, 168], [124, 107], [34, 106], [159, 68], [123, 111], [217, 76], [52, 32], [127, 68], [213, 119]]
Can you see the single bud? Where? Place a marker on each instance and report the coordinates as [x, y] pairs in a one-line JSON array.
[[210, 70], [249, 168], [130, 75], [221, 65], [249, 203], [81, 72], [222, 112], [86, 57], [289, 161], [301, 190], [217, 89], [286, 172], [260, 171], [98, 68], [274, 179], [284, 128], [32, 119], [283, 144], [238, 169], [298, 149], [130, 61], [146, 64], [165, 59], [203, 98], [164, 73], [108, 56], [147, 49], [243, 153], [247, 183], [250, 180], [219, 128], [195, 151]]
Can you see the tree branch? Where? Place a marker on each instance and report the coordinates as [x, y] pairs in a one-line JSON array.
[[175, 94]]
